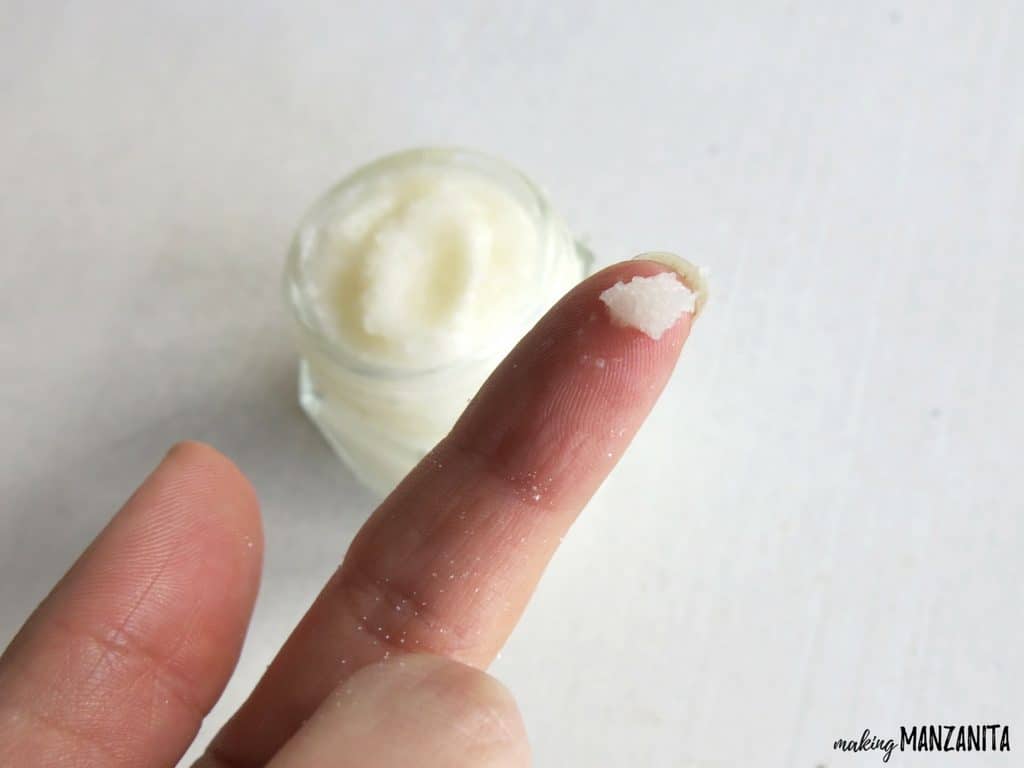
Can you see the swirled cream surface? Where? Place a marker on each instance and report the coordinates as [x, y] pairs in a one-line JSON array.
[[427, 266]]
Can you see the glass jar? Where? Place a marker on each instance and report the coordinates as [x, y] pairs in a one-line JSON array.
[[382, 418]]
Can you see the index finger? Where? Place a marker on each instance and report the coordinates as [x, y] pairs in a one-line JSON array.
[[447, 563]]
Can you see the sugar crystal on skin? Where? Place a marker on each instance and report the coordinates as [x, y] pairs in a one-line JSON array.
[[649, 304]]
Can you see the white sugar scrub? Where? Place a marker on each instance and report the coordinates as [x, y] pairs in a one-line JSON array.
[[429, 265], [695, 278], [409, 282], [654, 304]]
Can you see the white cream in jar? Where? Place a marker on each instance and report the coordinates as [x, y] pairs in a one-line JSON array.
[[409, 282]]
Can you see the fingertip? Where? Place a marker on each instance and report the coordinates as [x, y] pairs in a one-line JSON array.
[[692, 276], [216, 488], [201, 459], [583, 317]]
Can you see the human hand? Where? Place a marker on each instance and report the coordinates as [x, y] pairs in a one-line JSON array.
[[121, 662]]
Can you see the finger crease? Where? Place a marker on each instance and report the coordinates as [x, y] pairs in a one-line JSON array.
[[120, 644], [396, 616]]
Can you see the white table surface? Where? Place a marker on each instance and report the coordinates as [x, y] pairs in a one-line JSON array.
[[820, 529]]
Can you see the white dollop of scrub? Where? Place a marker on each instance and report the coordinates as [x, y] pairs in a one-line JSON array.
[[649, 304], [427, 267]]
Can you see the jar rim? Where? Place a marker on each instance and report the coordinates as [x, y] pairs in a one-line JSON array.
[[296, 295]]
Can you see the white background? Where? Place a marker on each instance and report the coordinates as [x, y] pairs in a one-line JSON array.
[[820, 529]]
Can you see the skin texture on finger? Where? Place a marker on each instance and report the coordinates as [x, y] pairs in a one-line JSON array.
[[446, 564], [118, 666], [413, 710]]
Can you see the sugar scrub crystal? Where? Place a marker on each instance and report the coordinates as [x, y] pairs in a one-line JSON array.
[[654, 304]]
